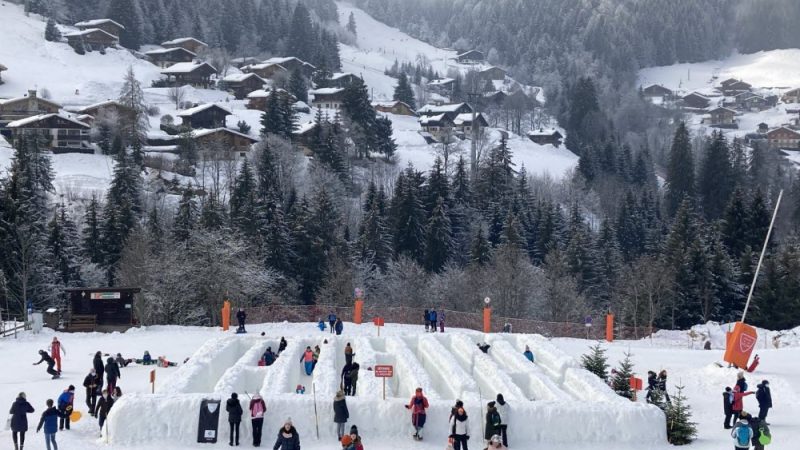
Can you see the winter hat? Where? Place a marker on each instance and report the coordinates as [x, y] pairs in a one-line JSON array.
[[288, 421], [491, 404], [71, 388], [500, 399], [339, 395], [496, 439], [727, 388], [740, 375], [354, 430], [459, 404], [765, 382], [234, 396], [347, 440], [21, 395]]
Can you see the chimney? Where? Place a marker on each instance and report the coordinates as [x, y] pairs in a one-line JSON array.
[[33, 101]]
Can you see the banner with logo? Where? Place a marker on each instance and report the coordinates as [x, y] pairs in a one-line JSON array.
[[740, 344]]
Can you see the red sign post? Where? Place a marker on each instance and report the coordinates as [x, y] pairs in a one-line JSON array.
[[384, 371], [378, 321], [153, 381]]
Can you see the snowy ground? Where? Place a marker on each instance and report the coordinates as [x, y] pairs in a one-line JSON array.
[[448, 366]]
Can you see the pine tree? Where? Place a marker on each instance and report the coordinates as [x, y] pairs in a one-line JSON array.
[[480, 251], [91, 232], [680, 428], [439, 240], [461, 189], [61, 241], [243, 215], [351, 24], [51, 32], [680, 170], [735, 221], [375, 241], [186, 217], [621, 380], [126, 13], [300, 42], [715, 183], [596, 361], [408, 216], [403, 92], [298, 86]]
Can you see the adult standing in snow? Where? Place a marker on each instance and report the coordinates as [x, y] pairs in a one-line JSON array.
[[91, 384], [307, 358], [50, 363], [257, 410], [339, 326], [502, 409], [764, 397], [104, 407], [759, 428], [354, 377], [282, 345], [662, 385], [741, 381], [652, 385], [493, 422], [441, 320], [241, 316], [234, 409], [288, 438], [56, 350], [741, 434], [528, 353], [434, 318], [99, 368], [738, 401], [459, 429], [418, 407], [427, 316], [317, 351], [19, 420], [332, 321], [112, 374], [50, 422], [65, 404], [340, 413], [727, 407], [348, 354], [347, 382]]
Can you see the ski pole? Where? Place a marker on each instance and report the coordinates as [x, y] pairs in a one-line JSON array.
[[316, 415]]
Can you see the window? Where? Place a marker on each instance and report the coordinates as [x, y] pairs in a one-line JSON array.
[[242, 154]]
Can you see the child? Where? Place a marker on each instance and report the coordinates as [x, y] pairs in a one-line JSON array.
[[727, 405]]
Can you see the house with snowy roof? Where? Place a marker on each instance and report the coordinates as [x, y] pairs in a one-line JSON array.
[[258, 99], [209, 115], [92, 39], [792, 96], [16, 108], [492, 73], [191, 73], [784, 138], [442, 86], [108, 108], [342, 79], [62, 133], [244, 61], [471, 57], [722, 117], [696, 101], [267, 71], [656, 93], [394, 107], [221, 141], [464, 124], [733, 86], [241, 84], [292, 64], [165, 57], [436, 126], [109, 26], [327, 98], [188, 43], [544, 136], [452, 109]]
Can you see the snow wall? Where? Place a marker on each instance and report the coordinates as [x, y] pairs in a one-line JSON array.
[[555, 393]]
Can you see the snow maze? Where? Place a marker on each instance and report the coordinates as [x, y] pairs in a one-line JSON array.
[[563, 402]]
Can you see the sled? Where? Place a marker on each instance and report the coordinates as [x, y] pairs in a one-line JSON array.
[[75, 416]]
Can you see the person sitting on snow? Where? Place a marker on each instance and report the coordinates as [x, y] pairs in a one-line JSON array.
[[484, 347], [528, 353], [269, 357]]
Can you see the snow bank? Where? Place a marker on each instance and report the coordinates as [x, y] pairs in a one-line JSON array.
[[206, 366], [550, 358], [490, 376], [279, 377], [368, 385], [408, 371], [716, 332], [447, 375], [528, 376]]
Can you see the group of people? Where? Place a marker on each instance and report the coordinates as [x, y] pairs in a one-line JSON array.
[[335, 323], [657, 384], [349, 375], [269, 357], [746, 429], [432, 319], [341, 415]]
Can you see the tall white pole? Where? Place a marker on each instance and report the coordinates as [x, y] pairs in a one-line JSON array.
[[761, 258]]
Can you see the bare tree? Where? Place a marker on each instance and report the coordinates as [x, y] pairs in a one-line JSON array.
[[176, 94], [449, 147]]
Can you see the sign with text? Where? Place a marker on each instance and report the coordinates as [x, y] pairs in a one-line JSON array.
[[384, 371], [105, 295]]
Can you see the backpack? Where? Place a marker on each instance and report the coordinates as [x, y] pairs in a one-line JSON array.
[[765, 437], [743, 435]]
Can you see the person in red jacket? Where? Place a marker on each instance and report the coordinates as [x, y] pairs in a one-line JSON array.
[[56, 349], [418, 405], [738, 403], [257, 410]]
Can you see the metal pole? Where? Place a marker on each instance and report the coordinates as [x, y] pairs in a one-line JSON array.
[[473, 153], [761, 258]]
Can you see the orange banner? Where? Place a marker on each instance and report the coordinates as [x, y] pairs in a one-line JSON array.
[[740, 344], [357, 313], [487, 320], [610, 327]]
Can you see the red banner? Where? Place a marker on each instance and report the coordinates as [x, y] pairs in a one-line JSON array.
[[740, 344]]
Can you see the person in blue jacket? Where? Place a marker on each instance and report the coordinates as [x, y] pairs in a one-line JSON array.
[[19, 420], [434, 319], [321, 325], [65, 403], [528, 353], [339, 326], [332, 321], [50, 422], [269, 357]]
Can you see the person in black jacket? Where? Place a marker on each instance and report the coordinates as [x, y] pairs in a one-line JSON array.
[[19, 420], [241, 316], [99, 369], [347, 381], [234, 409], [104, 407], [282, 345], [340, 413], [493, 422], [50, 363], [112, 374], [764, 397], [91, 383], [288, 438], [727, 407], [662, 385]]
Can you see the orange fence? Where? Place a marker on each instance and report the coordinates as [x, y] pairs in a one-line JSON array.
[[453, 319]]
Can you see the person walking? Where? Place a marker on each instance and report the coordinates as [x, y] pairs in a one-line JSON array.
[[761, 433], [418, 406], [268, 357], [316, 352], [434, 319], [307, 358], [347, 382], [65, 404], [112, 374], [340, 413], [354, 377], [257, 410], [727, 407], [348, 354], [91, 384], [764, 397], [459, 429], [241, 316], [742, 434], [50, 363], [49, 421], [19, 420], [339, 326], [288, 438], [234, 409], [738, 401], [493, 422], [332, 321], [441, 320], [104, 405], [99, 368], [427, 316], [56, 350], [662, 385], [503, 410], [282, 345]]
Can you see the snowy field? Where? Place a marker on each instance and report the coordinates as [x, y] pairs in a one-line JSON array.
[[552, 394]]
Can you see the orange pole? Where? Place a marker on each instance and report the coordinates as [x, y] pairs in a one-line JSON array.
[[226, 315], [487, 319], [357, 313], [610, 327]]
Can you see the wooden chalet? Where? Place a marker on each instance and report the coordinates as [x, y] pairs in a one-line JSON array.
[[442, 86], [695, 100], [109, 26], [108, 108], [2, 69], [722, 118], [209, 115], [165, 57], [395, 107], [496, 98], [343, 80], [452, 109], [463, 123], [241, 84], [752, 102], [327, 98], [189, 43], [471, 57], [258, 99], [292, 64], [656, 93], [92, 39], [792, 96], [784, 137], [436, 126], [492, 73], [544, 137], [243, 61], [238, 144], [303, 136], [100, 309], [12, 109], [267, 71], [62, 134], [733, 87], [189, 73]]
